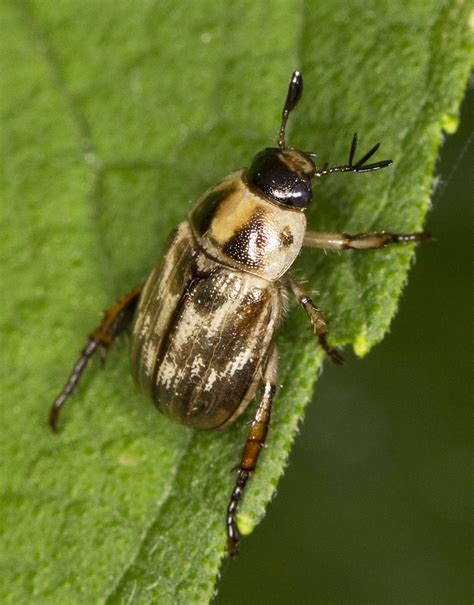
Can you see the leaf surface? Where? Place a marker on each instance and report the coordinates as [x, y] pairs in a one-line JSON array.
[[115, 116]]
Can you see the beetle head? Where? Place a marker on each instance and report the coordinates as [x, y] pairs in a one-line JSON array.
[[284, 175], [280, 173]]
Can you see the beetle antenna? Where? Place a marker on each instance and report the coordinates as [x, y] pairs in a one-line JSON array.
[[295, 90]]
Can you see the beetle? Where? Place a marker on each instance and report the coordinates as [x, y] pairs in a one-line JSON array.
[[203, 324]]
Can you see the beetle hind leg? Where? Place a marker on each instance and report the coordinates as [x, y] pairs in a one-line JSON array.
[[255, 442], [115, 321]]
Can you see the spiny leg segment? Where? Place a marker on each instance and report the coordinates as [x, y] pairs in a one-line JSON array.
[[360, 241], [317, 320], [115, 321], [255, 442]]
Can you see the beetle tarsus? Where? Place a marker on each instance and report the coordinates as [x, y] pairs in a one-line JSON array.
[[233, 535], [255, 441], [73, 379], [115, 320], [331, 352], [318, 322], [103, 355]]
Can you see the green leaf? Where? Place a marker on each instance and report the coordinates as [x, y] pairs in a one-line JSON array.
[[115, 116]]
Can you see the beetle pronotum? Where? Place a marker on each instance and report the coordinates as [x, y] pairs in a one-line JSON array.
[[203, 323]]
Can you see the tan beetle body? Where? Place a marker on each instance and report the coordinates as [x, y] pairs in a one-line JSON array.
[[204, 322], [208, 312]]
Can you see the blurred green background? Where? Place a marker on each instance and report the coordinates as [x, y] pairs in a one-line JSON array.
[[375, 505]]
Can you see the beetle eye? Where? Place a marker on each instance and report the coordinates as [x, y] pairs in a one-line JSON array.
[[278, 175], [300, 195]]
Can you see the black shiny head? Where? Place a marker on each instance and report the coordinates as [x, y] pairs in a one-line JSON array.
[[280, 173], [284, 175]]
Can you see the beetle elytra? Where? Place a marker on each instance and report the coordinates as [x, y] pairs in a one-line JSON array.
[[203, 323]]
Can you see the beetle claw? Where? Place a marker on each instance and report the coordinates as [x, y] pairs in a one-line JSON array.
[[336, 357], [103, 355], [233, 546]]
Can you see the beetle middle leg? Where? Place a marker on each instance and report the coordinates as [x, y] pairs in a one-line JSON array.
[[317, 320], [115, 321], [255, 442]]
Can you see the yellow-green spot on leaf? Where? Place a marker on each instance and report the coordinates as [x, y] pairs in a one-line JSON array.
[[245, 524], [361, 345], [449, 123]]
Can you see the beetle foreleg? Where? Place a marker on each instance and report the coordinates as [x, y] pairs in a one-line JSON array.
[[255, 442], [317, 320], [115, 321], [360, 241]]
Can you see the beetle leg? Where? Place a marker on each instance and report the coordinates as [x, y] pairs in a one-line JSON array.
[[115, 321], [317, 320], [360, 241], [255, 442]]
